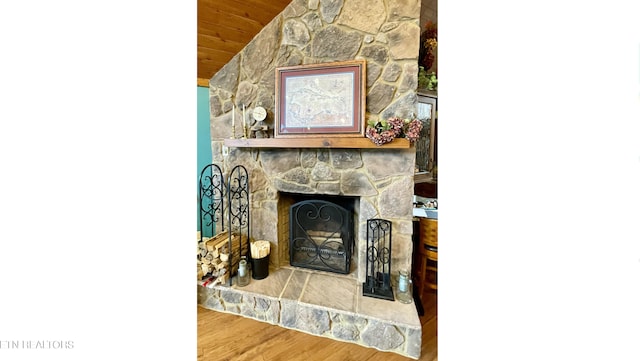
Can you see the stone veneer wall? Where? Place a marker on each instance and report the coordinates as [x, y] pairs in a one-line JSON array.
[[383, 32], [339, 325]]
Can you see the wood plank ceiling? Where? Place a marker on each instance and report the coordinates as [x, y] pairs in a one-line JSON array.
[[226, 26]]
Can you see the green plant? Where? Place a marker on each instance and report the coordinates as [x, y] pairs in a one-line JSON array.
[[428, 81]]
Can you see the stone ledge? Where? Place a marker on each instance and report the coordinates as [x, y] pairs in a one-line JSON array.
[[382, 331]]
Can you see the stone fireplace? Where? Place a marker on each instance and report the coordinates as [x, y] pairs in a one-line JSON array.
[[374, 183], [386, 34], [379, 181]]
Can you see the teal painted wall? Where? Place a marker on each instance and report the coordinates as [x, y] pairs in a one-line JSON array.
[[204, 139]]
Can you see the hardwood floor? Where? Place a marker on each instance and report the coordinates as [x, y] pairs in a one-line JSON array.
[[223, 336]]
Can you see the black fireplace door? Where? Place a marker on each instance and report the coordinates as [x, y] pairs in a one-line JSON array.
[[320, 236]]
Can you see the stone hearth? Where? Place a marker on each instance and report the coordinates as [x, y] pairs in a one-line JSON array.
[[322, 304]]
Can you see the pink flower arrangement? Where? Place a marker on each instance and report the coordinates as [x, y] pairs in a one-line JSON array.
[[384, 131]]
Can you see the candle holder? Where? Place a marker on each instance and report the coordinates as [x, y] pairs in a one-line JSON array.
[[233, 122], [244, 122]]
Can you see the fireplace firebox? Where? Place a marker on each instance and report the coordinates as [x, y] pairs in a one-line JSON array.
[[321, 236]]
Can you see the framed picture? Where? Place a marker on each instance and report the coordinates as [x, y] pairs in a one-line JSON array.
[[426, 146], [317, 100]]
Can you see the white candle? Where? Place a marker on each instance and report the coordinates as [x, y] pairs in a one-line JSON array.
[[244, 119]]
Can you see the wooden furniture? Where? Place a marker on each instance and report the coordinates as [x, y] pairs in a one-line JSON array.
[[427, 189], [426, 261]]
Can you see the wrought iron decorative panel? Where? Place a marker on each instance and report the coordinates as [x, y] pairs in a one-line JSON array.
[[320, 236], [211, 201], [238, 210]]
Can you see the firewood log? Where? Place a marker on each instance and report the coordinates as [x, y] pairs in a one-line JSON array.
[[319, 240], [313, 233], [222, 278], [211, 242], [205, 268]]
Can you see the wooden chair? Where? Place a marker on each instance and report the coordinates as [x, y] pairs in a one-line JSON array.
[[428, 255]]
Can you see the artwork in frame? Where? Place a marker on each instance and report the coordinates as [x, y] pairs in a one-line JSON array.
[[318, 100], [426, 156]]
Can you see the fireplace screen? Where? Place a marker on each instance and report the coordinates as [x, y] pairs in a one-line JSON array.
[[320, 236]]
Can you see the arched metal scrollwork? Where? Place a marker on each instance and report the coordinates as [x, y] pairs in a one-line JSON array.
[[211, 201], [238, 210], [321, 236]]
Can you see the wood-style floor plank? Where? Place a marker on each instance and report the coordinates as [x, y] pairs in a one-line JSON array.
[[228, 337]]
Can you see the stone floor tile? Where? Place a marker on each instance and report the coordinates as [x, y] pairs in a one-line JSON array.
[[271, 286], [296, 283], [386, 310], [331, 291]]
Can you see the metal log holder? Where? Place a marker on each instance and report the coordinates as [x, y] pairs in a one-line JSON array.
[[378, 260], [211, 200], [238, 211], [320, 236]]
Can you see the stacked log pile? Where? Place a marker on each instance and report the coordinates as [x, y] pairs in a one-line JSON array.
[[214, 255]]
